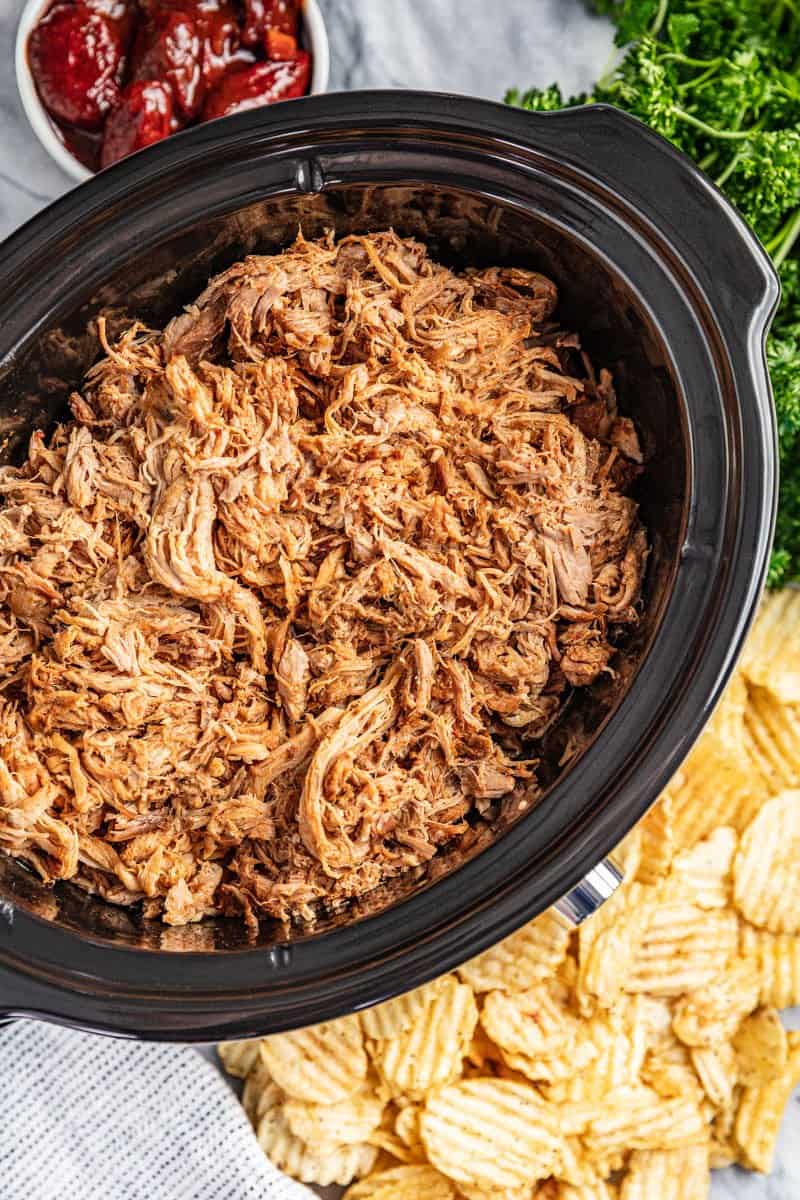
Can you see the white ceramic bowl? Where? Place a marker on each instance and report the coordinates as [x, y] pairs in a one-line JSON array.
[[315, 38]]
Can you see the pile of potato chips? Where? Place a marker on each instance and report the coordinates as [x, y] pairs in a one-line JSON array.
[[619, 1062]]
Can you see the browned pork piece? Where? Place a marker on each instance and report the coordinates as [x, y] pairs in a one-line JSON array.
[[300, 585]]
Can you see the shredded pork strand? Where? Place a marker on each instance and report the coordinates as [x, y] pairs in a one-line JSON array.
[[293, 595]]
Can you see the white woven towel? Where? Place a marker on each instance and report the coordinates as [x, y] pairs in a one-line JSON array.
[[89, 1118]]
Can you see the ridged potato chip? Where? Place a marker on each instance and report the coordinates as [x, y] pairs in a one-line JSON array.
[[761, 1109], [607, 1053], [609, 943], [725, 726], [413, 1182], [722, 1150], [576, 1169], [557, 1068], [656, 1013], [681, 1174], [657, 844], [761, 1046], [534, 1023], [717, 785], [670, 1072], [773, 739], [291, 1154], [705, 871], [637, 1118], [239, 1058], [771, 657], [327, 1126], [491, 1133], [715, 791], [260, 1093], [766, 879], [322, 1064], [402, 1138], [431, 1051], [390, 1144], [684, 947], [527, 957], [399, 1014], [482, 1051], [722, 1155], [713, 1013], [778, 956], [717, 1070], [628, 854], [406, 1126], [574, 1116], [634, 1016]]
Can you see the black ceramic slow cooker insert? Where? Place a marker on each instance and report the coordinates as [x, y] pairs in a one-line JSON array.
[[668, 288]]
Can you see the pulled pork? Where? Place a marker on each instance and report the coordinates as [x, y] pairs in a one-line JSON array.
[[297, 589]]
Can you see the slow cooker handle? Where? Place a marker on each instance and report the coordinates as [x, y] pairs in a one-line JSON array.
[[705, 235], [587, 896]]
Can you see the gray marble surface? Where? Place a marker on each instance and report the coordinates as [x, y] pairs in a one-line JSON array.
[[470, 46]]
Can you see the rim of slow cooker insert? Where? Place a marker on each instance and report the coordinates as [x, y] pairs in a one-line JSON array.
[[84, 980]]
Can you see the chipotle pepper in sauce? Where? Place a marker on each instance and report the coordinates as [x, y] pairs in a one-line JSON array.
[[144, 116], [216, 23], [168, 49], [118, 75], [76, 59], [255, 86]]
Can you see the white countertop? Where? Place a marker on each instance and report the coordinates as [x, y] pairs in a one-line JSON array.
[[469, 46]]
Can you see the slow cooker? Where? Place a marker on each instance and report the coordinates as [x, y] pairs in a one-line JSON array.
[[669, 289]]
